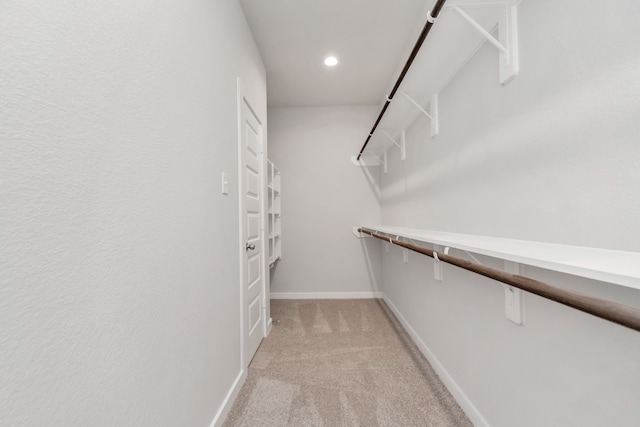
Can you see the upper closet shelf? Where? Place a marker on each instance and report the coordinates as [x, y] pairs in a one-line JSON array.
[[458, 32], [606, 265]]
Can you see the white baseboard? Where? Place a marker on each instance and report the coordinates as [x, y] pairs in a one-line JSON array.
[[224, 409], [325, 295], [465, 403]]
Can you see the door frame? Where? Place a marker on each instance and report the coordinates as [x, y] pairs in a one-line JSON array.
[[245, 358]]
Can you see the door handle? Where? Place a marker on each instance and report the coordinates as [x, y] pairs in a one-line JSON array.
[[249, 246]]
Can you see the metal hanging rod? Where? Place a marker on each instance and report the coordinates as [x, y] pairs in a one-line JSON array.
[[431, 19], [604, 309]]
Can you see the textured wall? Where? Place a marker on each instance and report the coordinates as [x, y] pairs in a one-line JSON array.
[[119, 294], [556, 149], [552, 156], [323, 197]]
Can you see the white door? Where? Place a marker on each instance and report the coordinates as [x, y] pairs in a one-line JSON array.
[[251, 140]]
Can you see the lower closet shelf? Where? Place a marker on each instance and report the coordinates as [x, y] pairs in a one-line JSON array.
[[606, 265]]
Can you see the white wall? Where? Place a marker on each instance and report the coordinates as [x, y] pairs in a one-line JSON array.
[[119, 266], [552, 156], [323, 197]]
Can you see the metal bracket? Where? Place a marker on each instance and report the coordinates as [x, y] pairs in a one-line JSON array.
[[438, 274], [405, 251], [366, 160], [473, 257], [387, 244], [469, 254], [370, 160], [432, 114], [506, 43], [401, 145], [514, 297]]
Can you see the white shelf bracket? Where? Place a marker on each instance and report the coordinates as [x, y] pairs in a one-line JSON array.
[[469, 254], [473, 257], [514, 297], [416, 104], [438, 274], [366, 160], [405, 253], [401, 145], [506, 43], [435, 117], [370, 160], [432, 114]]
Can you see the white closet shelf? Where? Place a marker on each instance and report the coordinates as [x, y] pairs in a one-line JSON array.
[[606, 265], [274, 225], [451, 43]]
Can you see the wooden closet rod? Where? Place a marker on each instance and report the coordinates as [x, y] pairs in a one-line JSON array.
[[431, 19], [604, 309]]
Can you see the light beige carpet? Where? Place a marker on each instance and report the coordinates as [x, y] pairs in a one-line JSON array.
[[341, 363]]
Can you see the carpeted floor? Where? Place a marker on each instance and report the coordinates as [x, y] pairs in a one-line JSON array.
[[341, 363]]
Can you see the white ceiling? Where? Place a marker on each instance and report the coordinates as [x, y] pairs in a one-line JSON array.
[[371, 38]]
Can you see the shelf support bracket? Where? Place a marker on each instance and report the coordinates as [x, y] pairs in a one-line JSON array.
[[366, 160], [438, 274], [506, 43], [514, 297], [432, 114], [405, 251], [401, 145], [487, 35], [370, 160], [473, 257]]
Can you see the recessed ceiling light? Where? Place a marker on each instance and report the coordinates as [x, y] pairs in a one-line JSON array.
[[331, 61]]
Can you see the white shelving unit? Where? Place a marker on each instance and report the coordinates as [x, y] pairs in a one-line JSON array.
[[606, 265], [274, 214], [462, 27]]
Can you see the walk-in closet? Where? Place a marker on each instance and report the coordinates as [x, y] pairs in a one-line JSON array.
[[334, 213]]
